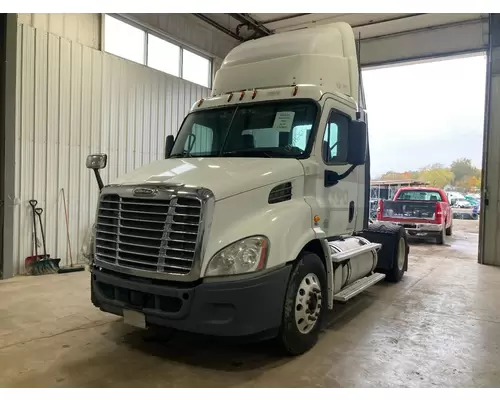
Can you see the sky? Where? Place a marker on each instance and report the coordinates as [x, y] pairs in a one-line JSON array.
[[426, 113]]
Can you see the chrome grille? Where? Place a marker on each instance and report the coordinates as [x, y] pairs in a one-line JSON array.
[[148, 234]]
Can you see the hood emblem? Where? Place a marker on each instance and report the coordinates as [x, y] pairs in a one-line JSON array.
[[145, 192]]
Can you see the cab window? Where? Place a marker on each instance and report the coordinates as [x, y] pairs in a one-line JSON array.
[[335, 139]]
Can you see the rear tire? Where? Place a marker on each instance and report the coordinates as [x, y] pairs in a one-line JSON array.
[[304, 306], [441, 239], [393, 257], [449, 231]]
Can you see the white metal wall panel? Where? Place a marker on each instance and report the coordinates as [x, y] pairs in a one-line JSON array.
[[72, 101], [82, 28]]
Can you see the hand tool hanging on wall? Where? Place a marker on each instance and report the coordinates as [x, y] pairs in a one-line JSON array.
[[71, 267], [46, 265], [30, 260]]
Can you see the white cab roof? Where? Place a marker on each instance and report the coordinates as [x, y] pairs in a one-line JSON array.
[[324, 56]]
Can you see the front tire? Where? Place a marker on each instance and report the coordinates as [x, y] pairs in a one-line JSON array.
[[304, 306]]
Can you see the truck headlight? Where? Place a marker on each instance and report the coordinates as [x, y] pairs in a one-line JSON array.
[[243, 256]]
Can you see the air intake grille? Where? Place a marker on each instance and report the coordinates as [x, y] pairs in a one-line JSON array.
[[280, 193], [148, 234]]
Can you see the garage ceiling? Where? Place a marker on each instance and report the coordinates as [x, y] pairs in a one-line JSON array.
[[385, 37]]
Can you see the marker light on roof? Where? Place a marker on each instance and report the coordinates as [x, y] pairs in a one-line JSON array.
[[295, 90], [254, 94], [242, 95], [200, 102], [229, 97]]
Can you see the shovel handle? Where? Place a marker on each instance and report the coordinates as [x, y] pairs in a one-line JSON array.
[[39, 211], [33, 203]]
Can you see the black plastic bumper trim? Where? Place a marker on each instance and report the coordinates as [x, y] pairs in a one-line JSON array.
[[243, 307]]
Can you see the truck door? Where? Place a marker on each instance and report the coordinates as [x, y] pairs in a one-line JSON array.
[[339, 203]]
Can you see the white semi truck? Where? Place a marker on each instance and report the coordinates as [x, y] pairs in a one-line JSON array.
[[257, 221]]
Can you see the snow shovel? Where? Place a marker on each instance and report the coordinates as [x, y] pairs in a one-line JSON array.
[[30, 260], [46, 265]]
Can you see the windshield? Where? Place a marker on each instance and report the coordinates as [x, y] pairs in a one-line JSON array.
[[277, 129]]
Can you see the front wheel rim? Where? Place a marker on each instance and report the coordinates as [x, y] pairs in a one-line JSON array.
[[308, 302]]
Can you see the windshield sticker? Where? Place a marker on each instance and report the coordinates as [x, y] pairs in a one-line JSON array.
[[284, 121]]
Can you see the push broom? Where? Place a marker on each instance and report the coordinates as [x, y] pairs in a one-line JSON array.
[[72, 267]]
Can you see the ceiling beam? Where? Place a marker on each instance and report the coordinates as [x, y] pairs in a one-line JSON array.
[[270, 21], [219, 26], [381, 21]]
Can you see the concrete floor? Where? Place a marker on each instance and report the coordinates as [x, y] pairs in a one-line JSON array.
[[439, 327]]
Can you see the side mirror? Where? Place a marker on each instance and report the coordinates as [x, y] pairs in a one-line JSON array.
[[97, 161], [357, 145], [169, 144]]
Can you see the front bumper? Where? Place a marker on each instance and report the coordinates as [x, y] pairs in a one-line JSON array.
[[243, 307]]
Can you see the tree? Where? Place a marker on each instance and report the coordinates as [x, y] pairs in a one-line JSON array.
[[468, 183], [463, 168], [438, 177], [392, 175]]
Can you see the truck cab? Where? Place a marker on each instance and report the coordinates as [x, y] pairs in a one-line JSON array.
[[257, 221]]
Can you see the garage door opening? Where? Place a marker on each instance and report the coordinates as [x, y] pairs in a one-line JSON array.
[[426, 131]]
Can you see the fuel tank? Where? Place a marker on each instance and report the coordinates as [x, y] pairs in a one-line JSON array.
[[356, 267]]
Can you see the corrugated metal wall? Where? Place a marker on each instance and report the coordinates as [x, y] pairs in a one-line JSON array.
[[72, 101], [82, 28]]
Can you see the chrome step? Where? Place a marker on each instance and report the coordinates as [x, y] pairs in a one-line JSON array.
[[357, 287], [346, 255]]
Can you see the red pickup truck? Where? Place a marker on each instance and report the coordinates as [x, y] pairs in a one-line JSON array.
[[423, 211]]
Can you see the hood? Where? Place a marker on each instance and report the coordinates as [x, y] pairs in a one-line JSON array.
[[223, 176]]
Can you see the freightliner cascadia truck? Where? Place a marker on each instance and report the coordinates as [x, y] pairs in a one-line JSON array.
[[256, 222]]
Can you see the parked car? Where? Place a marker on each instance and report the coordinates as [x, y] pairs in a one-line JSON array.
[[422, 211], [459, 200]]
